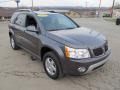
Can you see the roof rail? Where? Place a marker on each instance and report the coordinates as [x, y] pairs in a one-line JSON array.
[[56, 11], [52, 11], [20, 10]]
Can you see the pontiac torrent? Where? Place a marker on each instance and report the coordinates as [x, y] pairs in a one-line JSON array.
[[64, 47]]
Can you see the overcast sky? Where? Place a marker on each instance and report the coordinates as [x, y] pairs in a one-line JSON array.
[[93, 3]]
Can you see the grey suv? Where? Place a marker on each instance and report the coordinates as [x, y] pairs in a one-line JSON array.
[[63, 46]]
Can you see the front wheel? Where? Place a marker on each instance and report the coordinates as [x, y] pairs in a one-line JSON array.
[[13, 43], [50, 65]]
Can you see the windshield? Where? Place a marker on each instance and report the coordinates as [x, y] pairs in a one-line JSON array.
[[52, 22]]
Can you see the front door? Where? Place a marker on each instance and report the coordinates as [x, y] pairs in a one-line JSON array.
[[32, 41]]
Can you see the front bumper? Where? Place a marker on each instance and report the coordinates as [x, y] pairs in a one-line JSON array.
[[72, 66]]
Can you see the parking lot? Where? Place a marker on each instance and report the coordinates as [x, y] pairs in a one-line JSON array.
[[19, 72]]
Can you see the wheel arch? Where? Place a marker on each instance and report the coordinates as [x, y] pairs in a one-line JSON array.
[[46, 49], [11, 32], [56, 51]]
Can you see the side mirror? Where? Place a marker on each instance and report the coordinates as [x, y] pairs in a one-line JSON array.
[[32, 29]]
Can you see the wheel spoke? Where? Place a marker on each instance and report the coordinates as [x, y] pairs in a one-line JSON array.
[[50, 66], [12, 42]]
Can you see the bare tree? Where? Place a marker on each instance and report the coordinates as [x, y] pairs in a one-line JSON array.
[[112, 8]]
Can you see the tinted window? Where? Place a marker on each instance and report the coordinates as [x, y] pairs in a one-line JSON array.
[[56, 22], [20, 20]]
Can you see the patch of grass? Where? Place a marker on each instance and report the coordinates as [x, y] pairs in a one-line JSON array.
[[110, 19]]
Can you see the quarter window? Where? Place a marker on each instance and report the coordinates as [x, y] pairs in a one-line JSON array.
[[20, 20], [13, 18]]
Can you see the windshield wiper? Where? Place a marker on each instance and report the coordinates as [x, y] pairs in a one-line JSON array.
[[61, 29], [54, 29], [71, 28]]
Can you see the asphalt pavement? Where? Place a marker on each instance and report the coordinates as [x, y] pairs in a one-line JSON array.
[[19, 72]]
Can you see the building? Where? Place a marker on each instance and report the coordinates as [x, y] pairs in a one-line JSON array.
[[6, 13], [116, 12]]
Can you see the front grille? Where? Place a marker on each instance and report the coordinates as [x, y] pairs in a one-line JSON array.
[[98, 51], [106, 47]]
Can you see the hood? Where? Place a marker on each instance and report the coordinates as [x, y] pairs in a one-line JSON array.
[[78, 38]]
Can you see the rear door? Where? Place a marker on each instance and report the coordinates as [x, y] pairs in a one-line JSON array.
[[19, 28]]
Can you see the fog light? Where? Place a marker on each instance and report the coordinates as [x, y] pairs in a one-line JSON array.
[[81, 69]]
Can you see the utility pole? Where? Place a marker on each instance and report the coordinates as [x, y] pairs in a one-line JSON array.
[[86, 3], [32, 4], [99, 8], [17, 4], [112, 8], [17, 1]]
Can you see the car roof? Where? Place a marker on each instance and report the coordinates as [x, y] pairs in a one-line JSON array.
[[44, 12], [36, 12]]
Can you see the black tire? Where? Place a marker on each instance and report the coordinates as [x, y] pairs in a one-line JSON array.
[[55, 59], [117, 22], [12, 40]]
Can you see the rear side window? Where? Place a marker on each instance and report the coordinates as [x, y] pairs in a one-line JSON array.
[[20, 20], [13, 17]]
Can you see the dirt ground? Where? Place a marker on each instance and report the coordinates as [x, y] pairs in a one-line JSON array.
[[19, 72]]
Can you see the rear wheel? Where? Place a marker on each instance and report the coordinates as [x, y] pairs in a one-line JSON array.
[[13, 43], [51, 65]]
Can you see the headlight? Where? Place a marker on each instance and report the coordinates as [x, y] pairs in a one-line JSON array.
[[76, 53]]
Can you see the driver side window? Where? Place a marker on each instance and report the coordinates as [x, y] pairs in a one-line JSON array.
[[31, 22]]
